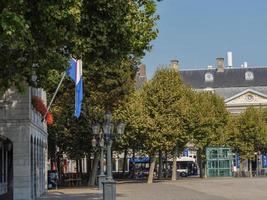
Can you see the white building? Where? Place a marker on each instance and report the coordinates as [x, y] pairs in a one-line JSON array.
[[23, 146]]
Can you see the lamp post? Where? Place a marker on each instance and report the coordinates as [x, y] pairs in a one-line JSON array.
[[101, 143], [108, 136]]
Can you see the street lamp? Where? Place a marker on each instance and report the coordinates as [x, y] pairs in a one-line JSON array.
[[107, 137], [101, 143]]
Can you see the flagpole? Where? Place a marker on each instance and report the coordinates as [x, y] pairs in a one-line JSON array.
[[62, 78]]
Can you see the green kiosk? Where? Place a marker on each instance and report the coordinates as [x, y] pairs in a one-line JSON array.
[[219, 162]]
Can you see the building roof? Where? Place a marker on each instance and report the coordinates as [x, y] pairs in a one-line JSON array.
[[231, 91], [230, 77]]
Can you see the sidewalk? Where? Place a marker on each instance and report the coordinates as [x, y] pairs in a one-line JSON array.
[[82, 193]]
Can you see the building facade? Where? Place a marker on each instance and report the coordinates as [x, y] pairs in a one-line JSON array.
[[23, 146], [239, 87]]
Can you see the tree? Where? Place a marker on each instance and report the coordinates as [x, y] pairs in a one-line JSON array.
[[248, 134], [209, 119], [39, 36], [33, 37], [111, 37], [101, 92], [166, 104], [131, 112]]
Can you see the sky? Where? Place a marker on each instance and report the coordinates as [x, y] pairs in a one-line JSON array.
[[196, 32]]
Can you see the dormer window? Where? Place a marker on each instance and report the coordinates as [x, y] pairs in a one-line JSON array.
[[208, 77], [249, 76]]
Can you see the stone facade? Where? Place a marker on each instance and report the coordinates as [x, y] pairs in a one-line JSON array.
[[239, 87], [23, 126]]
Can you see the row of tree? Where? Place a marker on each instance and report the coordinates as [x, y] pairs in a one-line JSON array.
[[111, 36], [166, 115]]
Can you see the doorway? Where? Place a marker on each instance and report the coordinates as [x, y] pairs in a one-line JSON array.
[[6, 169]]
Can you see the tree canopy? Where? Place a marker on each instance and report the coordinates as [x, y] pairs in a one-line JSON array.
[[111, 38], [248, 132], [167, 103], [209, 119], [39, 36]]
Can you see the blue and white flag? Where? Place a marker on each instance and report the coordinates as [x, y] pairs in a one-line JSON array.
[[75, 73]]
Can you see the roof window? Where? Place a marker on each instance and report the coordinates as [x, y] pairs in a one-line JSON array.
[[249, 76], [208, 77]]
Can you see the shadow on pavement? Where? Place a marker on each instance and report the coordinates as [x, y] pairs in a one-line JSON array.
[[71, 196], [74, 194]]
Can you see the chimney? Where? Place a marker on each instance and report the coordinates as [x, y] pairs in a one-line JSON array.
[[229, 59], [220, 64], [142, 70], [140, 78], [175, 65]]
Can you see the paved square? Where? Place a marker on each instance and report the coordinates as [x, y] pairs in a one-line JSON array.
[[186, 189], [197, 189]]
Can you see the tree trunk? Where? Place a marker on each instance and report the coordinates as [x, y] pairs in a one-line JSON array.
[[80, 168], [174, 166], [77, 166], [124, 162], [92, 179], [241, 168], [151, 169], [160, 165], [59, 169], [165, 165], [204, 168], [201, 164], [250, 168], [133, 164]]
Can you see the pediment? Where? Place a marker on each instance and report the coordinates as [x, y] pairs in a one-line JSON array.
[[247, 97]]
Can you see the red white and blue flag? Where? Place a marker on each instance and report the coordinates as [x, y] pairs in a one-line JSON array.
[[75, 73]]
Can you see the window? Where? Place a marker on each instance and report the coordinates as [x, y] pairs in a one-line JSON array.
[[208, 77], [249, 76]]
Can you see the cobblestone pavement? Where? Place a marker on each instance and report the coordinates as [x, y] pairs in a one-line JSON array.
[[185, 189]]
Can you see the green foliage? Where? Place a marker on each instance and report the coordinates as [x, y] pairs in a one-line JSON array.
[[248, 132], [32, 36], [117, 28], [167, 103], [104, 88], [209, 118], [110, 36], [132, 112], [157, 115], [39, 36]]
